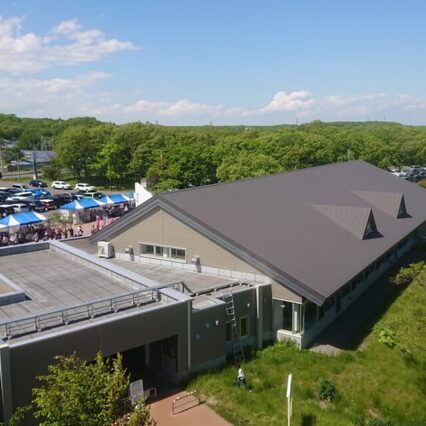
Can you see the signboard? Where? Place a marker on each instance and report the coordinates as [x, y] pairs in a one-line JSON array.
[[136, 391]]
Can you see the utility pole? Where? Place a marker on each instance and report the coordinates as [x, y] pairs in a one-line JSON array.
[[34, 164]]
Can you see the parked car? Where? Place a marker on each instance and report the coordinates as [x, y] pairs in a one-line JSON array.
[[6, 210], [19, 186], [93, 194], [36, 205], [37, 183], [32, 204], [20, 196], [19, 207], [85, 187], [40, 193], [60, 184], [12, 191], [49, 204], [62, 199]]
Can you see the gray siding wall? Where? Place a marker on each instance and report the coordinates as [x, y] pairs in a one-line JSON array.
[[210, 343], [28, 361]]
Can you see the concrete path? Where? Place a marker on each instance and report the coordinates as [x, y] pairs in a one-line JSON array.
[[161, 411]]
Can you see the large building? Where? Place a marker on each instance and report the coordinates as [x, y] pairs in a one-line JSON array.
[[194, 276]]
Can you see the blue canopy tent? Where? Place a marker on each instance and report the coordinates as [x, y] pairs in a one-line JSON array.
[[20, 219], [83, 204], [114, 199]]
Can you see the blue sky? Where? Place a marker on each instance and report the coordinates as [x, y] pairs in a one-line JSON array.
[[226, 62]]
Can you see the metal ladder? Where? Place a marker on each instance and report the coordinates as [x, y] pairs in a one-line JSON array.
[[228, 298]]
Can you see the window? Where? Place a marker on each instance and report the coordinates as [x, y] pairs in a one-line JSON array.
[[346, 289], [228, 331], [243, 326], [177, 253], [146, 248], [161, 251]]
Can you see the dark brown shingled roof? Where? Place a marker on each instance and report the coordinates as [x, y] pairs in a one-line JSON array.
[[274, 221], [275, 218]]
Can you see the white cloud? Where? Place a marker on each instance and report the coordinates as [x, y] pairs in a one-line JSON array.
[[67, 97], [293, 101], [66, 44], [55, 97]]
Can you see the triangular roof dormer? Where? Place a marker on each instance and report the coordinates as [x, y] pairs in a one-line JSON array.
[[391, 203], [359, 221]]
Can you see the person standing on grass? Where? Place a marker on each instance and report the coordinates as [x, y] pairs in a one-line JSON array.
[[241, 378]]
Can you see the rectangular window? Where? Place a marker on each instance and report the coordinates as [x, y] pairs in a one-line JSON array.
[[346, 290], [177, 253], [243, 326], [228, 331], [159, 250], [146, 248]]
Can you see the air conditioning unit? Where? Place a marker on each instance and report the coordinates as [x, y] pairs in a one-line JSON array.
[[105, 249]]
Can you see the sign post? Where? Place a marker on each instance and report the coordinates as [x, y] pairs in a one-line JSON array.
[[136, 391], [289, 399]]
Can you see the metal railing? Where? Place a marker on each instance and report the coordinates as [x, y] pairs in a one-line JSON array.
[[73, 314]]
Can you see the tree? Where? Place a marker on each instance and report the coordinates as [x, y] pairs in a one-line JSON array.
[[75, 392], [12, 154], [76, 150], [246, 165]]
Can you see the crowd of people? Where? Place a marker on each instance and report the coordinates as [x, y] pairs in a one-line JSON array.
[[42, 232], [39, 232]]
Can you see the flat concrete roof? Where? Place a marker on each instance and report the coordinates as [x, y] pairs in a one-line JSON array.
[[52, 281], [196, 282]]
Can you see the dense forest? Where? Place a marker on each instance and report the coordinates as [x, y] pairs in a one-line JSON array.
[[178, 157]]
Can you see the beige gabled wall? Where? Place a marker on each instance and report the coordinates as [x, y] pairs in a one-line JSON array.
[[159, 227]]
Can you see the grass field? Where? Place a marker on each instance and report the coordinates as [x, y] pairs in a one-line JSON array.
[[377, 384]]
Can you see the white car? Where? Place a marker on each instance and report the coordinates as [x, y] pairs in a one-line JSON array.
[[60, 184], [20, 196], [20, 208], [85, 187]]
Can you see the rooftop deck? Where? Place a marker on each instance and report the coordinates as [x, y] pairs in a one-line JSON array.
[[51, 281]]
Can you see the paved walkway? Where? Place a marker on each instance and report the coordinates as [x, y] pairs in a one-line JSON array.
[[161, 411]]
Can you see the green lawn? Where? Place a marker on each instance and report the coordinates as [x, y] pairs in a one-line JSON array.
[[375, 382]]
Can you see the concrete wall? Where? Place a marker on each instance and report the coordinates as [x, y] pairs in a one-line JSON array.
[[159, 227], [207, 337], [31, 359]]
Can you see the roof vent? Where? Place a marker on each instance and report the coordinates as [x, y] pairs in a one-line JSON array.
[[391, 203], [359, 221]]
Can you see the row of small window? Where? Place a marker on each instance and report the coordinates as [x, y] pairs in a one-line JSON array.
[[161, 251], [242, 331]]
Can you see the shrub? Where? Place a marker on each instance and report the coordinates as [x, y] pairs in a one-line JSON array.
[[387, 337], [141, 415], [327, 390]]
